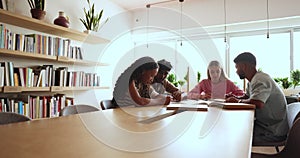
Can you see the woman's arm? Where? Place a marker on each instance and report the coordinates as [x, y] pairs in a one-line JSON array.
[[233, 89], [156, 99], [136, 96], [198, 92], [194, 93]]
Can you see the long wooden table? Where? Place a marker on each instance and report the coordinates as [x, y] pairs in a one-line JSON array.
[[133, 132]]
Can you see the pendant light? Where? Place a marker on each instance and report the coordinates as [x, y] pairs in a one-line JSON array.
[[181, 1], [225, 22], [147, 29], [268, 20], [148, 7]]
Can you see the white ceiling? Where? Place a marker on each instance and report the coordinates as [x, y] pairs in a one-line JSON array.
[[211, 12], [132, 4]]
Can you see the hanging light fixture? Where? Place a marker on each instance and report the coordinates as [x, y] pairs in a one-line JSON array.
[[148, 7], [181, 1], [147, 29], [225, 22], [268, 20]]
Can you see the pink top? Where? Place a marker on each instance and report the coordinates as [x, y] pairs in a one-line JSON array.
[[217, 90]]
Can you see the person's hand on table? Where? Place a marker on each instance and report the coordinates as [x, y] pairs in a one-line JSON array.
[[168, 100], [232, 100], [205, 96], [176, 96]]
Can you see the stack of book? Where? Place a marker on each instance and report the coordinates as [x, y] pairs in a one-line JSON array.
[[36, 106]]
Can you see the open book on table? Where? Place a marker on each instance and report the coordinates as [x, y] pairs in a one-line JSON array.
[[222, 104], [187, 105]]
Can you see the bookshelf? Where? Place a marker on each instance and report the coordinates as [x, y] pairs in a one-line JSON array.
[[58, 59], [16, 56], [25, 55], [41, 26], [19, 89], [64, 89]]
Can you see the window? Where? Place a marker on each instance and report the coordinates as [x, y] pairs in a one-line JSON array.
[[296, 50], [273, 54]]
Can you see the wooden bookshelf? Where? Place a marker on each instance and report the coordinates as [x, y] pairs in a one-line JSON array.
[[27, 55], [25, 22], [12, 89], [61, 89], [19, 89], [41, 26], [35, 89], [79, 62]]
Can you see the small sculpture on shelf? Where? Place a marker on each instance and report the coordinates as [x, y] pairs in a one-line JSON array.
[[61, 20], [37, 9]]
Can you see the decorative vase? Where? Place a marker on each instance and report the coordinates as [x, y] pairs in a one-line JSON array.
[[87, 31], [37, 14], [61, 20]]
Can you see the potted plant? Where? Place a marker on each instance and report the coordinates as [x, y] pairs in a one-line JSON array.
[[295, 77], [92, 19], [285, 83], [181, 83], [172, 79], [37, 9], [198, 76]]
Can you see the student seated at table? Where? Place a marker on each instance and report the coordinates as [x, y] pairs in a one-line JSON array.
[[270, 114], [217, 85], [133, 86], [161, 84]]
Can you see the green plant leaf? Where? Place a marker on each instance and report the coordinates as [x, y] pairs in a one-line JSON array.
[[92, 20], [37, 4], [198, 76], [181, 82], [31, 4], [295, 77]]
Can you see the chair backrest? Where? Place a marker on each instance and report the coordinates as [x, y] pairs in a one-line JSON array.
[[106, 104], [293, 110], [291, 99], [291, 149], [11, 117], [76, 109]]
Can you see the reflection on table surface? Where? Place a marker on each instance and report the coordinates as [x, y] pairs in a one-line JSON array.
[[125, 132]]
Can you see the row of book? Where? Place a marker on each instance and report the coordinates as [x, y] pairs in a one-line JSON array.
[[37, 106], [45, 76], [39, 44]]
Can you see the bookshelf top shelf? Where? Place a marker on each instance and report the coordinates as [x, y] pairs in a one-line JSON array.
[[41, 26]]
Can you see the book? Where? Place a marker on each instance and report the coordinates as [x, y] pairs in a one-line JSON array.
[[203, 105], [3, 4], [225, 105], [8, 73], [1, 76], [187, 105]]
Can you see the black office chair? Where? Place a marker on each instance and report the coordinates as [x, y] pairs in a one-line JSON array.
[[11, 117], [291, 149], [291, 99], [77, 109], [107, 104], [293, 113]]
